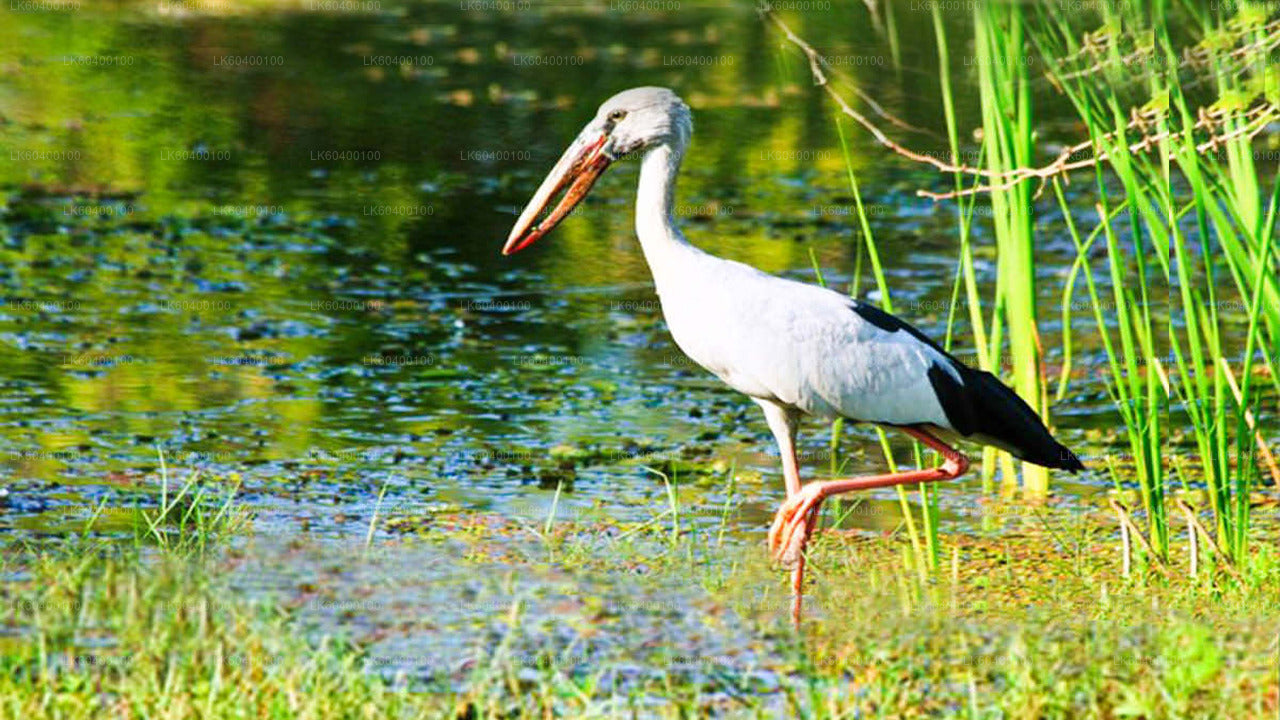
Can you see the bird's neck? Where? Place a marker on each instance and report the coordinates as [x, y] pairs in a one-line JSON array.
[[664, 247]]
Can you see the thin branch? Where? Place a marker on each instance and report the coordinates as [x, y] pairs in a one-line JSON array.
[[816, 65], [1257, 120]]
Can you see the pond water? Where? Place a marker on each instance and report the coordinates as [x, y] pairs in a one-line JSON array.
[[263, 240]]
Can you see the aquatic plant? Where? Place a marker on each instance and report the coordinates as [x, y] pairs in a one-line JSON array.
[[1179, 205], [1194, 214]]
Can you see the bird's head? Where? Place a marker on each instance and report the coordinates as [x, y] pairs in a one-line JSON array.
[[630, 121]]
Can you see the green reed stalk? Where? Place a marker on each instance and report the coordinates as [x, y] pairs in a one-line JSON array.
[[964, 218], [928, 501], [837, 425], [1005, 92]]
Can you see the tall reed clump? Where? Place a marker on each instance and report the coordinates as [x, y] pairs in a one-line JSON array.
[[1179, 175], [1131, 193], [1232, 230], [1181, 265], [1004, 86]]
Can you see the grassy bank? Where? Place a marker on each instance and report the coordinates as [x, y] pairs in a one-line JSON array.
[[1038, 623], [99, 634]]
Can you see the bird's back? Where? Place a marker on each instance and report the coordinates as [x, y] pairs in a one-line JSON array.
[[797, 344]]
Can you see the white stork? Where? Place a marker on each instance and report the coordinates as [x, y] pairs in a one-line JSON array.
[[795, 349]]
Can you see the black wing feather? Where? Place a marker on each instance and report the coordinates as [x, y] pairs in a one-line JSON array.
[[979, 406]]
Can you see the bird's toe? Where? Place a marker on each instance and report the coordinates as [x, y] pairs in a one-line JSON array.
[[776, 536], [789, 554], [790, 530]]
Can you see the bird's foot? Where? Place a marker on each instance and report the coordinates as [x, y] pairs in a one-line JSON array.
[[793, 525]]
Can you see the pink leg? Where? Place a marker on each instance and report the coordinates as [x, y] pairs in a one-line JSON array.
[[797, 575], [791, 473], [798, 516], [783, 424]]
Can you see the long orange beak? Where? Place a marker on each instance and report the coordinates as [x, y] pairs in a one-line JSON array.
[[579, 168]]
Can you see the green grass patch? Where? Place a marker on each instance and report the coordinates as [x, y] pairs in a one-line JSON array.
[[1032, 623], [99, 633]]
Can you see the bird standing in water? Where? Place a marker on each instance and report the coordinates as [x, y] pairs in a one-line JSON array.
[[796, 349]]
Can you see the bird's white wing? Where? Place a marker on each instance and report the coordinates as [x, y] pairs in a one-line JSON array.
[[806, 347]]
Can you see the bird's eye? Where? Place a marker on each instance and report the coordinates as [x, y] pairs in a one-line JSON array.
[[617, 115]]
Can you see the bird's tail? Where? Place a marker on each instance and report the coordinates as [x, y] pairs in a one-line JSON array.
[[1003, 419]]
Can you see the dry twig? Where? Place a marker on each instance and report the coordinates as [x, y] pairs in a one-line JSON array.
[[1257, 119]]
